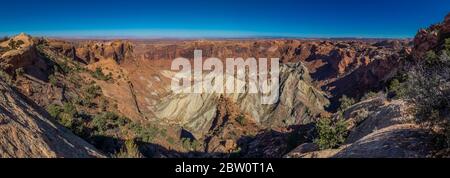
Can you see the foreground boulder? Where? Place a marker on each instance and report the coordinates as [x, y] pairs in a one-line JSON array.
[[25, 131], [378, 128]]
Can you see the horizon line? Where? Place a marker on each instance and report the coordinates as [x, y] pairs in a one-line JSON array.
[[194, 34]]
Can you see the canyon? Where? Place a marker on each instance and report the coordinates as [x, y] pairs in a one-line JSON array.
[[113, 92]]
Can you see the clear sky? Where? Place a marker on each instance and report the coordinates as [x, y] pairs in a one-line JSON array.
[[220, 18]]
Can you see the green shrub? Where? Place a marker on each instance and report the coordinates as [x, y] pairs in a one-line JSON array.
[[77, 67], [190, 144], [431, 57], [107, 121], [64, 67], [171, 140], [69, 108], [236, 153], [397, 88], [5, 77], [66, 115], [66, 119], [15, 44], [447, 45], [93, 91], [98, 74], [20, 71], [54, 110], [19, 42], [346, 102], [129, 150], [330, 134], [145, 133], [53, 80], [103, 104], [369, 95], [75, 80], [428, 87], [241, 120]]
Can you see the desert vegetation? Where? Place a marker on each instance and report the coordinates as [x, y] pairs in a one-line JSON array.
[[331, 133], [428, 87]]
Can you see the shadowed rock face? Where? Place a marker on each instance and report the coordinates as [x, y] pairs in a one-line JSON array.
[[401, 141], [378, 129], [91, 51], [25, 131]]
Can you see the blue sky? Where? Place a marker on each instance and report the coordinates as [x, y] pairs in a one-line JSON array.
[[221, 18]]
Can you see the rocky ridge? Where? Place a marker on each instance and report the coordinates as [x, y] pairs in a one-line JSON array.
[[26, 131], [377, 128]]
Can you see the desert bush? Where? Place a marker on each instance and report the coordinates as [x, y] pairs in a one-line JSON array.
[[86, 102], [67, 115], [447, 45], [369, 95], [103, 103], [20, 71], [53, 80], [346, 102], [19, 42], [92, 91], [64, 67], [146, 133], [107, 121], [331, 133], [129, 150], [75, 80], [15, 44], [98, 74], [77, 67], [6, 77], [241, 120], [190, 144], [170, 140], [397, 88], [69, 108], [431, 57], [428, 87], [53, 110], [59, 113]]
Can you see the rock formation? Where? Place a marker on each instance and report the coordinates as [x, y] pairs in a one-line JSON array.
[[378, 128], [117, 91], [26, 131]]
